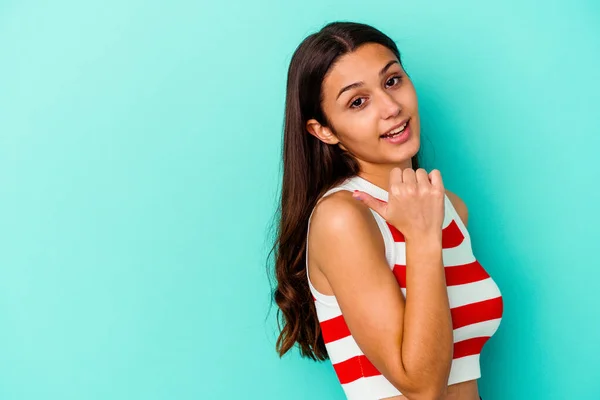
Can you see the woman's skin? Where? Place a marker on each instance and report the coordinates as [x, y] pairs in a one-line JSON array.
[[346, 250]]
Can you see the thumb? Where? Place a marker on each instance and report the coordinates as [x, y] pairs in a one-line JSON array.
[[380, 207]]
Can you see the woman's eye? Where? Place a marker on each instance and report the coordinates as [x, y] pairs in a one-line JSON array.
[[357, 103], [392, 80]]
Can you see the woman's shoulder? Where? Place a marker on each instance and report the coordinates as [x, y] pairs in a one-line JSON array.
[[341, 218], [343, 231], [340, 215]]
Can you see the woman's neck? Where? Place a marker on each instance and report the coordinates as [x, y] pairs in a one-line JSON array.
[[379, 175]]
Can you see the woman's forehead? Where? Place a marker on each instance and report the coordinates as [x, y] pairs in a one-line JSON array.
[[363, 64]]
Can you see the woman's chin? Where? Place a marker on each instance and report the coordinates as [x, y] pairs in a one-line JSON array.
[[405, 151]]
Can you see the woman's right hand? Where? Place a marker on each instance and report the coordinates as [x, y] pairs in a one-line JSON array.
[[415, 202]]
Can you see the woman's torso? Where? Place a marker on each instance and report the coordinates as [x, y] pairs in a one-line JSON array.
[[475, 302]]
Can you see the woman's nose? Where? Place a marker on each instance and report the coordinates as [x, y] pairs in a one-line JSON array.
[[389, 106]]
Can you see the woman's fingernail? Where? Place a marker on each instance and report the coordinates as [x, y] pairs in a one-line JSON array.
[[356, 195]]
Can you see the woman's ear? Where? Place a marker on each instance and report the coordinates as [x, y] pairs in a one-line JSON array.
[[323, 133]]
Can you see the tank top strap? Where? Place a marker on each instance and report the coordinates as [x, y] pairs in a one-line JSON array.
[[349, 184]]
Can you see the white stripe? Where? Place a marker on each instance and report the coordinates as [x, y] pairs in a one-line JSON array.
[[370, 388], [460, 255], [378, 387], [468, 293], [485, 328], [464, 369], [326, 312], [448, 215], [473, 292], [343, 349], [454, 256], [323, 298]]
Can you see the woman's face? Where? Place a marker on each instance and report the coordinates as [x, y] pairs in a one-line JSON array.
[[366, 93]]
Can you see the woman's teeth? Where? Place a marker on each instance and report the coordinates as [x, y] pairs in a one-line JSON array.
[[395, 131]]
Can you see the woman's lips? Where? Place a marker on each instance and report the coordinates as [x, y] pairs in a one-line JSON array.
[[401, 138]]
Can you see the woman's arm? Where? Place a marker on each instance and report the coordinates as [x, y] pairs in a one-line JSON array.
[[409, 341]]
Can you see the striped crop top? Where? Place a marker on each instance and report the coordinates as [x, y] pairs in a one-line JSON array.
[[475, 304]]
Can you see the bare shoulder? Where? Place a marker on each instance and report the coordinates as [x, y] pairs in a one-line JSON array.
[[340, 217], [459, 205], [343, 236]]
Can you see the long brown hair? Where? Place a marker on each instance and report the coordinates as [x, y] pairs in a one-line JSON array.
[[310, 167]]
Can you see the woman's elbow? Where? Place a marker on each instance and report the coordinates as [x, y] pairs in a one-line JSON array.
[[425, 394], [422, 389], [434, 393]]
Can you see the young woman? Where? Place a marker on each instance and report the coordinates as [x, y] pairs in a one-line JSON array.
[[384, 283]]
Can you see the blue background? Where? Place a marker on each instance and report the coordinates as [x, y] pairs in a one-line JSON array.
[[139, 166]]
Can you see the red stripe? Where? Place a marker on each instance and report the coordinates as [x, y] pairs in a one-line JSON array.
[[462, 274], [476, 312], [355, 368], [334, 329], [396, 234], [469, 347], [360, 366], [452, 236], [400, 274], [455, 275]]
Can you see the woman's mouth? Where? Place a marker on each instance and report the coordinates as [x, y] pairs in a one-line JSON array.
[[398, 135]]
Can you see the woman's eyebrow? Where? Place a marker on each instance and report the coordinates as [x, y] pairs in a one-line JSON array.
[[358, 84]]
